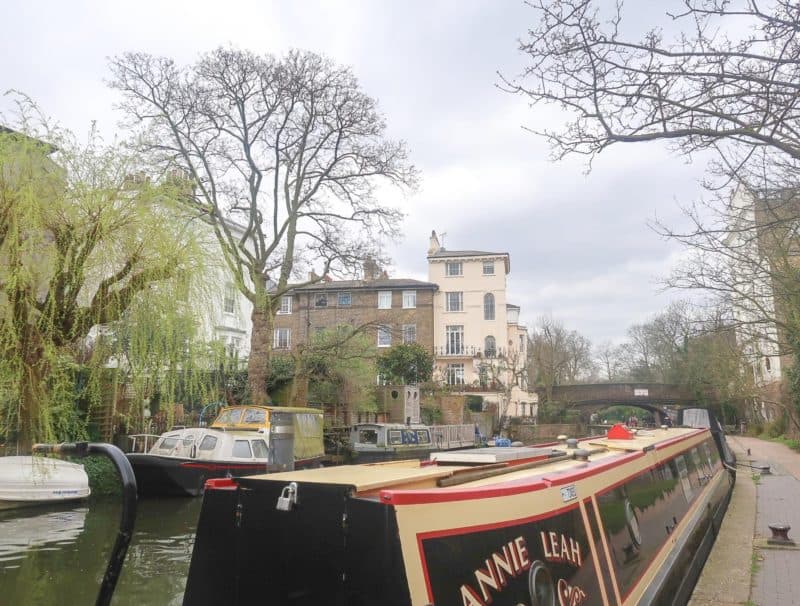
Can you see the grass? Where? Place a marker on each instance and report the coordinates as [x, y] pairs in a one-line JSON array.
[[756, 478], [755, 562]]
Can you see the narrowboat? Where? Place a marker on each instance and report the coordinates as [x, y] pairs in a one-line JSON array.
[[626, 518], [372, 442], [241, 441]]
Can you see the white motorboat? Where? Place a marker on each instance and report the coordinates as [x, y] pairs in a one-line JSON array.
[[28, 481]]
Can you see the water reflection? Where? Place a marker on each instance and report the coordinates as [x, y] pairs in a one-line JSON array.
[[58, 556]]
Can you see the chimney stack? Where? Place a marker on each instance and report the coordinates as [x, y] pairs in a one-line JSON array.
[[434, 246]]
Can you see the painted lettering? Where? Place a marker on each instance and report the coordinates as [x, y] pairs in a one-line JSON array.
[[560, 548], [569, 595], [509, 561]]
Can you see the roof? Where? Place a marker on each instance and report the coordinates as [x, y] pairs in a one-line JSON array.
[[384, 284], [443, 253]]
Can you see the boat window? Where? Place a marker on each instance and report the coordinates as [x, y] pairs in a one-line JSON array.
[[368, 436], [423, 436], [230, 416], [168, 443], [395, 437], [409, 437], [241, 449], [208, 443], [188, 440], [255, 415], [260, 449]]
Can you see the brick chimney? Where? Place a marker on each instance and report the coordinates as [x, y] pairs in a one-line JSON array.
[[434, 246]]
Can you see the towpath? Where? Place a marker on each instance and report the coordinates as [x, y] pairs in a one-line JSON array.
[[743, 568]]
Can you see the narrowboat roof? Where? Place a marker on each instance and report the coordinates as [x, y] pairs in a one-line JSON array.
[[413, 475], [258, 421]]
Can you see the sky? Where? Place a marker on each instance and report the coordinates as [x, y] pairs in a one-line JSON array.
[[581, 246]]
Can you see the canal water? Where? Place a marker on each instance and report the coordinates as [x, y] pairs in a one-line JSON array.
[[57, 555]]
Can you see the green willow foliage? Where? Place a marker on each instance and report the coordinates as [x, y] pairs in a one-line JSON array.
[[100, 283]]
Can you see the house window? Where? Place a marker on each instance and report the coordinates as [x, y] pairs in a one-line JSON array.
[[490, 347], [283, 338], [345, 300], [454, 301], [454, 339], [320, 300], [455, 374], [385, 299], [409, 299], [384, 336], [767, 363], [453, 268], [488, 306], [522, 343], [488, 268], [229, 300], [483, 375], [233, 346], [286, 305], [409, 333]]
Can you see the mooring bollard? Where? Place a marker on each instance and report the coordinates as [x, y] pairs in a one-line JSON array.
[[780, 534]]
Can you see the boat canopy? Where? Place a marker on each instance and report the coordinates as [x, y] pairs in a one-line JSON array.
[[307, 423]]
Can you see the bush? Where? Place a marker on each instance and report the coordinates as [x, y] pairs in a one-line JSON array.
[[777, 428], [103, 477]]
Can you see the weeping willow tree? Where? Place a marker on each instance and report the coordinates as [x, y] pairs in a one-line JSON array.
[[88, 244]]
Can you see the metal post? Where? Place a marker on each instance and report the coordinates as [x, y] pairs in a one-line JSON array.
[[128, 517]]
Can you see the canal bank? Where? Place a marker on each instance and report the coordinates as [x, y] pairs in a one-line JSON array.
[[743, 568]]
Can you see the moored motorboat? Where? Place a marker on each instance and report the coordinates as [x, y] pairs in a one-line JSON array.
[[372, 442], [627, 518], [242, 440], [26, 480]]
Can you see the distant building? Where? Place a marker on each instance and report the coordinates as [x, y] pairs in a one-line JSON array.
[[479, 344], [761, 233], [391, 310]]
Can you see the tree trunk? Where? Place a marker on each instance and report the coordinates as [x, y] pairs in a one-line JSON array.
[[300, 390], [31, 397], [258, 364]]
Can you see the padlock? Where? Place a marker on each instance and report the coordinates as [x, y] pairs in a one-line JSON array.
[[288, 497]]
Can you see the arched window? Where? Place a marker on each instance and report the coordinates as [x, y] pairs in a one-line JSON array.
[[488, 306], [490, 347]]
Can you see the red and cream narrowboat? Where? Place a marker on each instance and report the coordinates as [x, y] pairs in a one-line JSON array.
[[627, 518]]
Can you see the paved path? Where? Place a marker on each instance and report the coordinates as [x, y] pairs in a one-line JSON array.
[[742, 568]]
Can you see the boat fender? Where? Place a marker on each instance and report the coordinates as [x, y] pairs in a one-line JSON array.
[[193, 451]]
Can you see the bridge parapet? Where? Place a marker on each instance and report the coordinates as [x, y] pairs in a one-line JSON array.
[[619, 393]]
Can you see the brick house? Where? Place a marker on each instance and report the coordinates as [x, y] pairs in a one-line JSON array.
[[397, 310]]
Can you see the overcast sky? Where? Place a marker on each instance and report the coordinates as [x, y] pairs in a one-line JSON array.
[[581, 249]]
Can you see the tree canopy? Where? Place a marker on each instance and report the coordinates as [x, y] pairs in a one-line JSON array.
[[82, 243], [405, 363], [289, 149]]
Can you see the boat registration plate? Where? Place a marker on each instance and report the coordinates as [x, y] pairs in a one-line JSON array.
[[569, 493]]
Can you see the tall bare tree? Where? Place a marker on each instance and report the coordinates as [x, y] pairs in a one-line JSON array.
[[704, 87], [290, 148]]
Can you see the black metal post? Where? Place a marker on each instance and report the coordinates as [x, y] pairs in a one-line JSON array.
[[128, 518]]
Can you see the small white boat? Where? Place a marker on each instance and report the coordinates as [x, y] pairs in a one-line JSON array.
[[28, 481]]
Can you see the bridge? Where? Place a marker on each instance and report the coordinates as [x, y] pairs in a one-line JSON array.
[[649, 396]]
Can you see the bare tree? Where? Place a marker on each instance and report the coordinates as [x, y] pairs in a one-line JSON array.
[[558, 355], [289, 148], [608, 358], [706, 87]]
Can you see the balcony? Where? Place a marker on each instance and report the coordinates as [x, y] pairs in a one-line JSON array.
[[468, 352]]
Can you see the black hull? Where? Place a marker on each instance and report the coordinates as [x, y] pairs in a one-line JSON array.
[[390, 454], [170, 476]]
